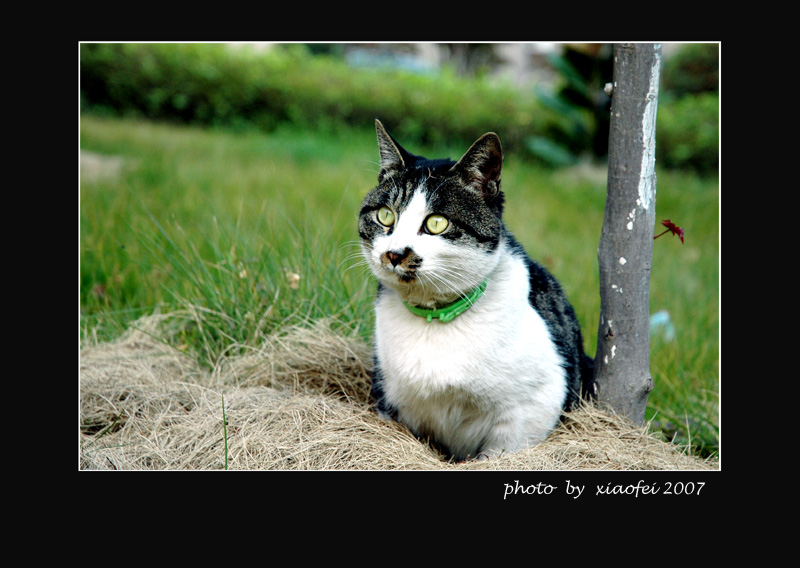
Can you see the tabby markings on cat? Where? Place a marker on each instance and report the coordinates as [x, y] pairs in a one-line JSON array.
[[477, 348]]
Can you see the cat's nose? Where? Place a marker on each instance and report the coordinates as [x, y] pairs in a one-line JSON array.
[[396, 257]]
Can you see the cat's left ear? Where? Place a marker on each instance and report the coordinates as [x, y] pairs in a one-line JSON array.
[[393, 156], [480, 167]]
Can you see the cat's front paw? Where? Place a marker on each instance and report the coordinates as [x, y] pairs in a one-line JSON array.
[[384, 414], [486, 455], [481, 457]]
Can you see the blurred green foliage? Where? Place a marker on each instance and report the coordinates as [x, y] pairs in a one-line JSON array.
[[688, 109], [692, 70], [213, 84], [579, 102], [688, 132]]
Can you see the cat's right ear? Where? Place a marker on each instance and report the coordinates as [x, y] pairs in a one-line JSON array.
[[481, 166], [393, 156]]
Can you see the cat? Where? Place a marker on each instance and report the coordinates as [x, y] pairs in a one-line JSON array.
[[477, 348]]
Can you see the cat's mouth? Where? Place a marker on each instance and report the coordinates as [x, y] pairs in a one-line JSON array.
[[401, 274], [406, 277], [403, 264]]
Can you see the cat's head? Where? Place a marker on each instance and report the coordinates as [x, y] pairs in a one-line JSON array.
[[431, 227]]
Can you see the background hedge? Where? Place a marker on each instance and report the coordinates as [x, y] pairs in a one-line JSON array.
[[212, 84]]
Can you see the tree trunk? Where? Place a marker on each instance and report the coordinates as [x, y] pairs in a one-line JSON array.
[[622, 365]]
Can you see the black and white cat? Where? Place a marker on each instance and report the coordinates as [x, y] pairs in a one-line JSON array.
[[476, 347]]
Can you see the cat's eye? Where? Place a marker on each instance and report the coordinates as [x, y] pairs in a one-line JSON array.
[[386, 216], [436, 224]]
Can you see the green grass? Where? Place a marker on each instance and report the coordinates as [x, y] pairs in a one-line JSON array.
[[219, 224], [236, 234]]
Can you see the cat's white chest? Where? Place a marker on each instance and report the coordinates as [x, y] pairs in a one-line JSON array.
[[427, 357], [489, 380]]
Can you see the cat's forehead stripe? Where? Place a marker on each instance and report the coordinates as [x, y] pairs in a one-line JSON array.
[[408, 194], [416, 208]]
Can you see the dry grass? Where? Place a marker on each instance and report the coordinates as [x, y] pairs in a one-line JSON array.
[[299, 402]]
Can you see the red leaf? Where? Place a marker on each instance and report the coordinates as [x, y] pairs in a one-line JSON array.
[[671, 228]]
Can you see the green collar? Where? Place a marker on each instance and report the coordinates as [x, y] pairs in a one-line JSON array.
[[447, 313]]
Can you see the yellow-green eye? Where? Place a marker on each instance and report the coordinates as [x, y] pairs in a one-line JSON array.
[[386, 216], [436, 224]]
